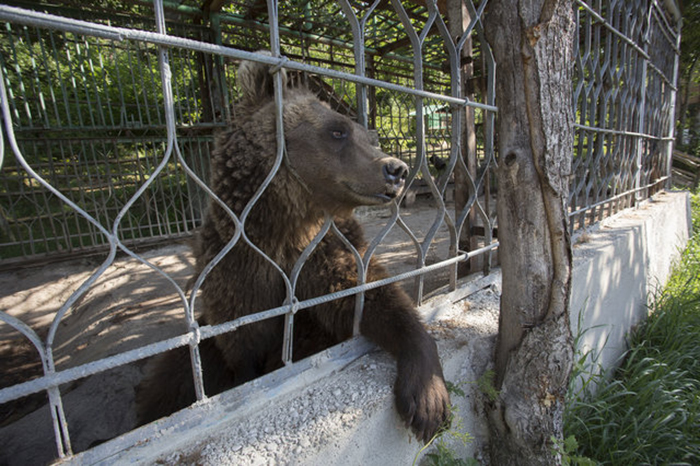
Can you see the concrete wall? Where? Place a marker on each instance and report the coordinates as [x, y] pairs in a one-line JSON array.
[[618, 268], [337, 408]]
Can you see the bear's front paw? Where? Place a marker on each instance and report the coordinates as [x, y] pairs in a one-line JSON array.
[[422, 401]]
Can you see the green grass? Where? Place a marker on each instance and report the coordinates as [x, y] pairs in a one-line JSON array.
[[649, 412]]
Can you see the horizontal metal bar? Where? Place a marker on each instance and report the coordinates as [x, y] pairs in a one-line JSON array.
[[45, 20], [619, 132], [241, 21], [598, 17], [68, 375], [618, 196], [33, 18], [115, 128], [84, 370], [208, 331], [663, 76]]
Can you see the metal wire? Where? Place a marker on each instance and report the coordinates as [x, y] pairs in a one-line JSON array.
[[144, 124], [625, 84]]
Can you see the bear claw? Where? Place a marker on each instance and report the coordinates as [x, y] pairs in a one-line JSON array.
[[425, 407]]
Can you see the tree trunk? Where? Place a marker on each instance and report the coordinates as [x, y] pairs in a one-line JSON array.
[[532, 43], [686, 83]]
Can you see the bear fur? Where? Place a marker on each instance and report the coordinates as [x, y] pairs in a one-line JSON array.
[[330, 166]]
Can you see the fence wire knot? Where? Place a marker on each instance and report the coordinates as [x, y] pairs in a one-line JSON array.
[[464, 255], [195, 331], [280, 65], [295, 306]]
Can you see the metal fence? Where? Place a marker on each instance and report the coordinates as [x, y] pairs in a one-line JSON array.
[[108, 120], [87, 114], [85, 109], [624, 97]]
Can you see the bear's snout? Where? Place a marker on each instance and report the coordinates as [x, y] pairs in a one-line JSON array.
[[395, 173]]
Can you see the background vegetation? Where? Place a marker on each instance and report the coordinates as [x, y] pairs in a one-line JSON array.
[[688, 111]]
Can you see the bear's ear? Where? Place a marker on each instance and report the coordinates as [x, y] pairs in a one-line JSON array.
[[255, 81]]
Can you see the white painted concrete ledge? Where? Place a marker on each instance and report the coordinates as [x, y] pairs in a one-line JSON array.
[[620, 265]]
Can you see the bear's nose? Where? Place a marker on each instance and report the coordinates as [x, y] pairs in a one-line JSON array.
[[395, 171]]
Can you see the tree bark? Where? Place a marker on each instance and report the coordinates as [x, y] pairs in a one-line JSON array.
[[532, 42]]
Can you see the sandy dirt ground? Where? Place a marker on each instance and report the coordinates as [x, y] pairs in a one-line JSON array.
[[128, 306]]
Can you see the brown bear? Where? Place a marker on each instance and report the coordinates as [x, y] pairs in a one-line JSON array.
[[330, 167]]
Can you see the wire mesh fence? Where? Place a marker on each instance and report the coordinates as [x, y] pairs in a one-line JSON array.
[[624, 96], [109, 119], [88, 115]]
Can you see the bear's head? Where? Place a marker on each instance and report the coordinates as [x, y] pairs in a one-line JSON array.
[[331, 155]]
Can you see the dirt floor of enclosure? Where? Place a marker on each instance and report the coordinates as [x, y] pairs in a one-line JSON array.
[[128, 306]]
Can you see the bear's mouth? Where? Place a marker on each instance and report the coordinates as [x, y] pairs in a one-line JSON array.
[[385, 197], [389, 194], [392, 191]]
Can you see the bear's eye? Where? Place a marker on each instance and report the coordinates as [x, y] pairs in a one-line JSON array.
[[339, 134]]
